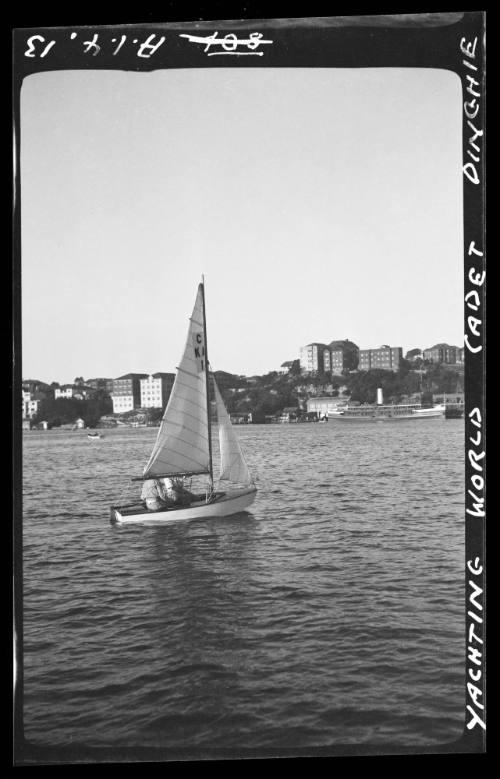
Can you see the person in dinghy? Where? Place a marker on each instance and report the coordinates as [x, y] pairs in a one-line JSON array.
[[152, 495], [158, 494], [175, 494]]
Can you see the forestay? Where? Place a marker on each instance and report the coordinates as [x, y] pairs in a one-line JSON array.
[[233, 466], [182, 444]]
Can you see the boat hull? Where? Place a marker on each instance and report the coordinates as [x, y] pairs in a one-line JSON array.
[[437, 412], [229, 503]]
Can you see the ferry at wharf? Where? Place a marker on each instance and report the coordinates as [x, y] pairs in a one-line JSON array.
[[386, 413]]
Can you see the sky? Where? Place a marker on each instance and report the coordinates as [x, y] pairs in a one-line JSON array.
[[320, 204]]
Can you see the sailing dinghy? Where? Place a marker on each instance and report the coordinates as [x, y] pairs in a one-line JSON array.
[[183, 446]]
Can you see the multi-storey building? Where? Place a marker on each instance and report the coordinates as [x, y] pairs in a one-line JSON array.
[[31, 406], [386, 358], [65, 391], [101, 384], [34, 385], [442, 353], [32, 399], [126, 393], [344, 356], [312, 358], [460, 355], [156, 389]]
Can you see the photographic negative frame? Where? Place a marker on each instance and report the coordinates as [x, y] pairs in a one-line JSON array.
[[443, 41]]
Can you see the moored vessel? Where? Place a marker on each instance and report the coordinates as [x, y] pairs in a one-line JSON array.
[[381, 412]]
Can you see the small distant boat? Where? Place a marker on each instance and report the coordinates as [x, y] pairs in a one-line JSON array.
[[387, 413], [183, 445], [93, 436]]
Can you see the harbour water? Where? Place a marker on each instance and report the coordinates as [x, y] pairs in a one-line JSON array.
[[332, 613]]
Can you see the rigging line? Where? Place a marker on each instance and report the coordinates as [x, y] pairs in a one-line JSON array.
[[191, 416], [180, 412], [194, 375], [183, 455], [187, 400], [191, 388], [148, 476], [191, 445], [207, 380], [159, 460]]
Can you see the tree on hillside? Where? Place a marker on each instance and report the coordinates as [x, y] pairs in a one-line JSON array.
[[441, 379], [66, 410], [412, 353], [404, 367]]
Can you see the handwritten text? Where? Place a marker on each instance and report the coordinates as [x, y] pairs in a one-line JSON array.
[[475, 648], [471, 110], [473, 303], [229, 44], [38, 46]]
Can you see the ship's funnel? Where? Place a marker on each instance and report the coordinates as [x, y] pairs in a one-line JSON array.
[[380, 397]]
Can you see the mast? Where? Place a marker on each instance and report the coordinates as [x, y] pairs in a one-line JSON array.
[[209, 423]]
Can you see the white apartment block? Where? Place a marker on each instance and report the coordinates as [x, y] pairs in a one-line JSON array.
[[122, 403], [64, 392], [151, 393], [31, 408]]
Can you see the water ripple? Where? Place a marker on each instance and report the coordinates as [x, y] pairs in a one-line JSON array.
[[332, 613]]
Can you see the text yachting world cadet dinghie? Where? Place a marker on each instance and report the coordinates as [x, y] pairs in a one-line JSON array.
[[184, 446]]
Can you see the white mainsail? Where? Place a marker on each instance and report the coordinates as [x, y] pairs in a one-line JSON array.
[[233, 467], [182, 445]]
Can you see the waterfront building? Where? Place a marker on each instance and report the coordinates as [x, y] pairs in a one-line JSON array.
[[241, 419], [126, 393], [450, 398], [156, 389], [31, 408], [386, 358], [344, 356], [442, 353], [289, 414], [25, 401], [312, 358], [322, 406]]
